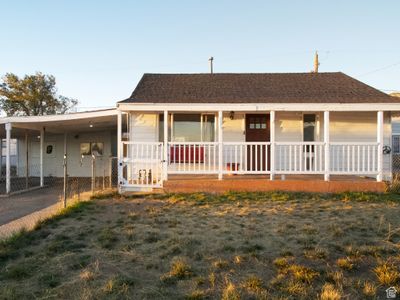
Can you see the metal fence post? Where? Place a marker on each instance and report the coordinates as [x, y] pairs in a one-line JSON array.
[[26, 160], [65, 172], [110, 171], [65, 181], [93, 174], [104, 174]]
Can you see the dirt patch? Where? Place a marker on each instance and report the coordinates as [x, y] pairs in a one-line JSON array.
[[245, 245]]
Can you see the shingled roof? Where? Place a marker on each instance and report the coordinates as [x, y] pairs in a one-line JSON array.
[[255, 88]]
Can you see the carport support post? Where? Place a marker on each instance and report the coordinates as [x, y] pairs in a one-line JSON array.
[[65, 172], [1, 158], [8, 158], [119, 150], [165, 165], [379, 139], [272, 140], [220, 139], [93, 185], [27, 161], [327, 145], [41, 156]]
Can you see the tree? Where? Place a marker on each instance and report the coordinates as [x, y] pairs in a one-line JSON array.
[[32, 95], [395, 94]]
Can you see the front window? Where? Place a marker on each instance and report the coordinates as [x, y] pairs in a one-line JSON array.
[[95, 149], [309, 127], [208, 129], [186, 128], [189, 128]]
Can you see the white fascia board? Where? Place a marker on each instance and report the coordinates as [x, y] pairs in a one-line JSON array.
[[259, 106], [55, 118]]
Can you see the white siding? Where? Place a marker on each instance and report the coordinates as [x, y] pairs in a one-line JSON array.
[[289, 126], [53, 163], [234, 130], [144, 127]]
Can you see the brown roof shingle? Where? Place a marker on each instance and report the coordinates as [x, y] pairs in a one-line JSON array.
[[255, 88]]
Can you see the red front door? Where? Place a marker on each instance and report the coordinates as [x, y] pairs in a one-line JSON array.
[[257, 130]]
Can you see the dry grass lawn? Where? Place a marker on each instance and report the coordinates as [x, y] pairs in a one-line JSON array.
[[198, 246]]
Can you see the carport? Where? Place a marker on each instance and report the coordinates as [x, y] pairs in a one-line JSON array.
[[43, 146]]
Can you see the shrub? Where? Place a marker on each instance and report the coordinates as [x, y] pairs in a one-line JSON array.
[[387, 274], [330, 293]]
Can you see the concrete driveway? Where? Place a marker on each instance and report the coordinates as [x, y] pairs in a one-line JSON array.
[[17, 206]]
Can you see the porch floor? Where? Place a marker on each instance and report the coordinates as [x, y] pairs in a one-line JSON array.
[[294, 183]]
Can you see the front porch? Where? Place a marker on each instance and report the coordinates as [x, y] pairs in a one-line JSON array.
[[254, 150]]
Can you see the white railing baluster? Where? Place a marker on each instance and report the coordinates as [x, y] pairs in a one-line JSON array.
[[208, 157], [241, 158], [179, 156], [235, 157], [374, 158], [363, 159], [251, 158], [246, 158]]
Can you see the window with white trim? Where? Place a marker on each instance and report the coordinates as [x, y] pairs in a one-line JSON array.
[[396, 144]]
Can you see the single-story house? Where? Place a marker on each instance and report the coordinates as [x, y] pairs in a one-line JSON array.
[[278, 125], [208, 131]]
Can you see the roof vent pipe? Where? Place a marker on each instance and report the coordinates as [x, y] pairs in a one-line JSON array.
[[211, 59], [316, 62]]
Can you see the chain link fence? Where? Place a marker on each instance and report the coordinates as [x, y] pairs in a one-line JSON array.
[[395, 184], [104, 176], [28, 202]]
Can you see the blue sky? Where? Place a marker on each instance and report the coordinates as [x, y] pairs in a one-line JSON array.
[[98, 50]]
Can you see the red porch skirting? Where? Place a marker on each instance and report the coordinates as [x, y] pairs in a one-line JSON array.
[[212, 185]]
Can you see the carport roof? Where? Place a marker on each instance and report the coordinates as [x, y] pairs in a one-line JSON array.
[[75, 122]]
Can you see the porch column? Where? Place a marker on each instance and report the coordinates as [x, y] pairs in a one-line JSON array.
[[26, 160], [327, 146], [272, 140], [1, 158], [41, 156], [379, 139], [8, 159], [65, 171], [119, 149], [220, 120], [165, 165]]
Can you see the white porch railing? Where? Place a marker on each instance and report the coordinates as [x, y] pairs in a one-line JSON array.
[[299, 158], [246, 158], [192, 158], [142, 164], [354, 158]]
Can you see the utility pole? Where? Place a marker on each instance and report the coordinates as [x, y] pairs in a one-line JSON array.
[[211, 59], [316, 62]]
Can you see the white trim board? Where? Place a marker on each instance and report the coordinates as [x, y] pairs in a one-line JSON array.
[[208, 107], [55, 118]]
